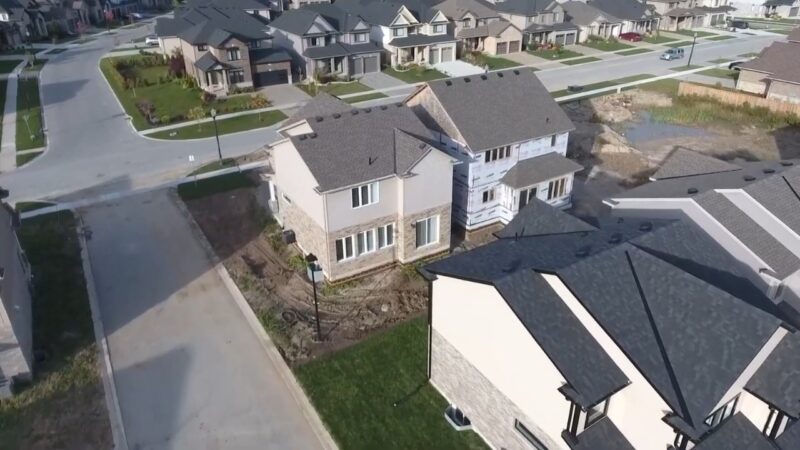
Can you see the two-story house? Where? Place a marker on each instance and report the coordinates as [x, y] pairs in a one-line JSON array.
[[510, 137], [479, 28], [410, 31], [687, 14], [224, 48], [325, 40], [632, 334], [610, 18], [775, 73], [362, 188], [541, 21]]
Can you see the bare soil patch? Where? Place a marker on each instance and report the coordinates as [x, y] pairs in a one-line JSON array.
[[272, 277]]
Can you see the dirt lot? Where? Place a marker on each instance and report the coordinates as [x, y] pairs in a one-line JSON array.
[[272, 277]]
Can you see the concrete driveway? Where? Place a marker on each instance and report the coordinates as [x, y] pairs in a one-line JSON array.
[[190, 373], [458, 68]]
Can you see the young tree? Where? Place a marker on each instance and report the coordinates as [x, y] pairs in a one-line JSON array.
[[258, 101], [197, 113]]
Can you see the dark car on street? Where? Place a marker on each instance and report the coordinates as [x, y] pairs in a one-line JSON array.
[[633, 37]]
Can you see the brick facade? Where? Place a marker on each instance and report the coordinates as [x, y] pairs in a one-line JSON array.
[[492, 413], [362, 263], [306, 231], [407, 240]]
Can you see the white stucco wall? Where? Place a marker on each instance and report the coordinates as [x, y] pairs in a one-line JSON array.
[[295, 181], [429, 186], [341, 213]]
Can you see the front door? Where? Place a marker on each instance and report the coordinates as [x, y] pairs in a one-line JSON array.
[[525, 196]]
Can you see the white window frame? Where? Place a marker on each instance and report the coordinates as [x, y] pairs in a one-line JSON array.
[[357, 197], [720, 415], [487, 196], [360, 37], [426, 224], [399, 32], [553, 140], [439, 28], [496, 154], [365, 242], [388, 236], [557, 188], [343, 241], [235, 50], [528, 435]]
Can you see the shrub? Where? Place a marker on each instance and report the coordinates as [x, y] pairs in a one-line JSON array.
[[207, 97], [165, 119]]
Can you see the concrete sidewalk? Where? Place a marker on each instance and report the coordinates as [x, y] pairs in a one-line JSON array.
[[8, 146]]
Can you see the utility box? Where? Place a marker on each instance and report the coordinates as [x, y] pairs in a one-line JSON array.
[[289, 237]]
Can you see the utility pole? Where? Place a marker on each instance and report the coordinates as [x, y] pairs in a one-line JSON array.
[[691, 53], [216, 132]]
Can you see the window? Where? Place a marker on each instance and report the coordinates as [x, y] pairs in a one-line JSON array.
[[553, 140], [596, 413], [365, 242], [254, 44], [202, 48], [316, 41], [488, 195], [398, 32], [427, 231], [528, 435], [344, 248], [233, 54], [681, 441], [364, 195], [235, 76], [777, 422], [361, 37], [467, 22], [525, 197], [557, 188], [497, 153], [386, 236], [555, 17], [437, 29], [722, 413]]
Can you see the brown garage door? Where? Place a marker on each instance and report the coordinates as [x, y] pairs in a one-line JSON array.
[[502, 48], [514, 46]]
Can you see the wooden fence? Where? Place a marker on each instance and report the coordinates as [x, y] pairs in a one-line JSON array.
[[737, 98]]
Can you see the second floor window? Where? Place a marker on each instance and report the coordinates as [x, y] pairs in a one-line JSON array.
[[254, 44], [361, 37], [497, 153], [557, 188], [398, 32], [364, 195], [553, 140], [233, 54], [202, 48], [467, 22], [718, 416], [438, 29]]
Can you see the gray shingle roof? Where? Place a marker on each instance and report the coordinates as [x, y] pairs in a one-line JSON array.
[[538, 218], [208, 62], [623, 9], [456, 9], [383, 12], [750, 233], [295, 21], [268, 55], [778, 380], [494, 28], [422, 39], [538, 169], [780, 194], [524, 7], [213, 25], [328, 51], [581, 13], [780, 61], [363, 145], [790, 438], [323, 104], [683, 162], [339, 19], [602, 435], [561, 26], [736, 433], [515, 107]]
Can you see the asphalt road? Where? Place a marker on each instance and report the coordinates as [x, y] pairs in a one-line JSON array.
[[190, 373]]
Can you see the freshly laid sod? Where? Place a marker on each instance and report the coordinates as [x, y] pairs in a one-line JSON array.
[[64, 406], [602, 84], [355, 391], [658, 39], [679, 44], [415, 75], [749, 55], [336, 89], [721, 38], [22, 207], [225, 126], [573, 62], [209, 186], [606, 46], [25, 158], [691, 33], [493, 62], [683, 68], [720, 60], [6, 66], [364, 98], [216, 165], [634, 51], [719, 72], [29, 115], [555, 54]]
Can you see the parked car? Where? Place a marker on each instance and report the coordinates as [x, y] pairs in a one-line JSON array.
[[151, 41], [137, 16], [672, 54], [633, 37], [738, 25]]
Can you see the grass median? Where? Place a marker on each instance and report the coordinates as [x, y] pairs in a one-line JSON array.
[[7, 66], [225, 126], [364, 98], [355, 390], [335, 89], [603, 84], [658, 39], [634, 51], [555, 54], [30, 133], [574, 62]]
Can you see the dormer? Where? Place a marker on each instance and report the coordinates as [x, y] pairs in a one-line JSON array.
[[437, 25], [404, 23], [319, 33]]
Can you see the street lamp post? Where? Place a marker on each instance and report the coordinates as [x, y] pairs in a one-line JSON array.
[[312, 267], [216, 132], [691, 52]]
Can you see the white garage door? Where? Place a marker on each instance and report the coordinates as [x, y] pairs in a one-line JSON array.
[[447, 54], [502, 48], [434, 53]]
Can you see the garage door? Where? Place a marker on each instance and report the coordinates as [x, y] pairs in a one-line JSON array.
[[502, 48], [447, 54], [434, 53], [371, 64], [271, 78], [514, 46], [357, 66], [560, 39], [570, 39], [793, 11]]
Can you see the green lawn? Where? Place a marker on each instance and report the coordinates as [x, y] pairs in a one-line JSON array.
[[658, 39], [602, 84], [682, 68], [22, 207], [606, 46], [216, 165], [65, 399], [354, 391], [667, 86], [37, 66], [29, 132], [720, 72], [193, 190], [364, 98], [169, 99], [415, 75], [749, 55], [678, 44], [225, 126], [573, 62], [691, 33], [15, 51], [721, 38], [720, 60], [555, 54], [780, 30], [6, 66], [493, 62], [336, 89], [634, 51], [25, 158]]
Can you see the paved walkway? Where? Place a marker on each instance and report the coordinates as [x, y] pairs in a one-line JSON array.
[[8, 146]]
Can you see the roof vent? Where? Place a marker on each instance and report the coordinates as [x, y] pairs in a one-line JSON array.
[[354, 112], [371, 160], [384, 107], [516, 72], [691, 191], [337, 115], [749, 178], [769, 170], [313, 135], [367, 110], [448, 82], [318, 118], [422, 145], [467, 80], [500, 74], [583, 251], [398, 104], [620, 219], [646, 226], [787, 163], [484, 77], [616, 238], [303, 137], [547, 119]]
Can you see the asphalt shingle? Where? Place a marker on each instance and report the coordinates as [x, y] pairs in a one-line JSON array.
[[538, 169], [683, 162], [602, 435], [538, 218], [778, 380], [736, 433]]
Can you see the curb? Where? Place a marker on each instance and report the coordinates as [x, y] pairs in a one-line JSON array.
[[294, 388], [107, 371]]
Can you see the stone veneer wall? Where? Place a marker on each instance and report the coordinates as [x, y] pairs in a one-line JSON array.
[[407, 240], [492, 413], [309, 235], [365, 262]]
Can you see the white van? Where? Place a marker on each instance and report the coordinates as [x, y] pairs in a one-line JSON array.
[[672, 54]]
